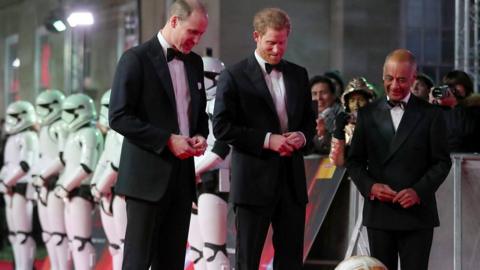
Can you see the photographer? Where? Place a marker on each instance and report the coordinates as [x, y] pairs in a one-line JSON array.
[[462, 111]]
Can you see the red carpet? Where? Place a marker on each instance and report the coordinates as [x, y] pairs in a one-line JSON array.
[[39, 264]]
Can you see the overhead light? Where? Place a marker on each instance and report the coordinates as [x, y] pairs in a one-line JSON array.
[[59, 25], [80, 18], [55, 22], [16, 63]]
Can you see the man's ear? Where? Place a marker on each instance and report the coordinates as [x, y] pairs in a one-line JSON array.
[[256, 35], [173, 21]]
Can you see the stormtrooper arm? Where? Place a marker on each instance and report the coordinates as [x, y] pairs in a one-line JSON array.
[[28, 154], [17, 173], [109, 176], [208, 161], [212, 158], [89, 143], [101, 167], [54, 167], [74, 179], [59, 132], [101, 176], [108, 179]]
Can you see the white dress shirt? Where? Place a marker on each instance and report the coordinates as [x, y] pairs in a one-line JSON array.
[[276, 86], [180, 88], [397, 112]]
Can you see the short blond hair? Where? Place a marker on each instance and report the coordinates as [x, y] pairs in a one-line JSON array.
[[274, 18], [184, 8]]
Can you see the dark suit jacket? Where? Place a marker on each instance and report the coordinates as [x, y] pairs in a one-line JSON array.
[[142, 108], [416, 156], [244, 113]]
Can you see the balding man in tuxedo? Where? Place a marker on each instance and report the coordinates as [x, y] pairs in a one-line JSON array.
[[398, 159]]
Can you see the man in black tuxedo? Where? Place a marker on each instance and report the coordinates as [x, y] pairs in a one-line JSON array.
[[398, 159], [158, 104], [263, 109]]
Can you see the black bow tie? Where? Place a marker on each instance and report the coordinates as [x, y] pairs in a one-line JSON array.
[[278, 67], [172, 53], [394, 103]]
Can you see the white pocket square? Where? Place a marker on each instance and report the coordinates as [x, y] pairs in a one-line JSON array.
[[199, 86]]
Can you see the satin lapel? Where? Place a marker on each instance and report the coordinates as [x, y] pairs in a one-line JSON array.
[[254, 72], [194, 94], [409, 121], [155, 54], [291, 93], [383, 120]]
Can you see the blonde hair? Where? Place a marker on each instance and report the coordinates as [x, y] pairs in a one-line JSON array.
[[274, 18]]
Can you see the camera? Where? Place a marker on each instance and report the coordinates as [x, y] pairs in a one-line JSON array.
[[441, 91]]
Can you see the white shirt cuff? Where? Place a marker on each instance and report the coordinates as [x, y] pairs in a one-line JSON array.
[[266, 142]]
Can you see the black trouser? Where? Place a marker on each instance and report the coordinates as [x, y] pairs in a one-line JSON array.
[[287, 217], [413, 247], [157, 232]]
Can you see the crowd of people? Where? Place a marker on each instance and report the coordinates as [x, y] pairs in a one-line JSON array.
[[337, 111], [183, 136]]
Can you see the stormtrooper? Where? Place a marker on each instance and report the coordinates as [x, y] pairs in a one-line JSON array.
[[208, 223], [21, 152], [82, 150], [113, 211], [52, 136]]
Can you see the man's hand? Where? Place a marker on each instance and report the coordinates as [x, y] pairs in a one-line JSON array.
[[321, 129], [407, 198], [279, 143], [180, 146], [199, 144], [295, 139], [449, 100], [382, 192]]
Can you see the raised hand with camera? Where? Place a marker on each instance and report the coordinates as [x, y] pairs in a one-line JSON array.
[[444, 95]]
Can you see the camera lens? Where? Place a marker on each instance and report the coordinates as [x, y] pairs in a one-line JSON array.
[[439, 91]]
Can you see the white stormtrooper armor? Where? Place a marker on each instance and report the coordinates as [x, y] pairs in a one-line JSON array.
[[46, 172], [82, 150], [21, 152], [113, 210], [208, 228]]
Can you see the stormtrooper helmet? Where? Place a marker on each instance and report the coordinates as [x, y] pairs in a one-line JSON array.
[[211, 69], [49, 106], [20, 116], [103, 118], [77, 111]]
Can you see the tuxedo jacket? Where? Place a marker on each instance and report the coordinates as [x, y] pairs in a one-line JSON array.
[[244, 113], [142, 109], [415, 156]]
